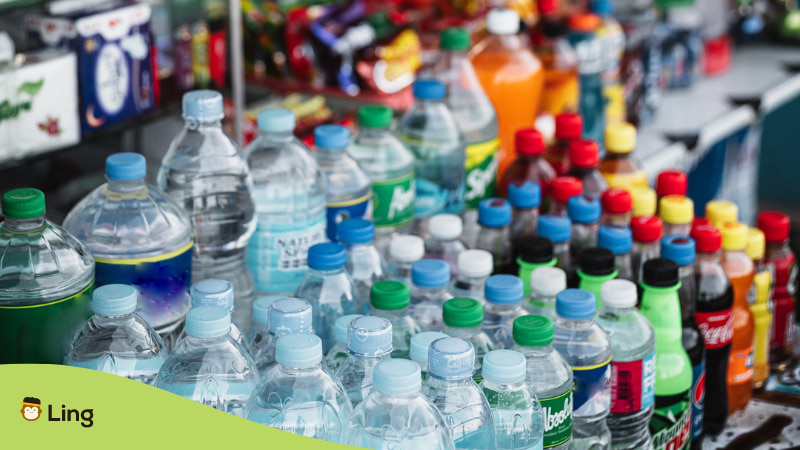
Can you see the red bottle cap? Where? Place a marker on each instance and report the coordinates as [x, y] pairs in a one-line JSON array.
[[646, 228], [616, 201], [547, 6], [699, 221], [775, 226], [583, 22], [529, 142], [584, 153], [707, 238], [569, 126], [671, 182], [564, 188]]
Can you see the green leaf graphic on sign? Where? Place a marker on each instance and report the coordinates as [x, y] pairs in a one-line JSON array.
[[31, 88]]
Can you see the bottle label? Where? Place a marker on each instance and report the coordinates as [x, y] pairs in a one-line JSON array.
[[740, 366], [393, 201], [354, 209], [592, 389], [433, 199], [698, 398], [481, 171], [633, 385], [671, 426], [784, 303], [717, 327], [589, 51], [557, 417]]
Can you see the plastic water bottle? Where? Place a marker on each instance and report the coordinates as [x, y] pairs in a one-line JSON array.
[[258, 335], [597, 265], [546, 283], [390, 299], [218, 293], [390, 166], [588, 351], [516, 413], [338, 353], [646, 232], [420, 345], [559, 230], [525, 198], [429, 282], [548, 376], [396, 415], [494, 217], [450, 387], [349, 189], [285, 316], [369, 341], [404, 251], [116, 340], [619, 240], [289, 191], [633, 367], [503, 305], [364, 262], [474, 268], [298, 395], [584, 212], [208, 366], [138, 236], [534, 253], [445, 241], [463, 318]]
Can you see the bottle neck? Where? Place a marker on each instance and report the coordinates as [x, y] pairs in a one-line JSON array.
[[502, 309], [203, 125], [459, 332], [617, 311], [372, 132], [357, 245], [574, 324], [326, 273], [126, 186], [30, 224], [391, 314], [275, 136], [536, 352], [300, 371], [497, 386], [330, 153], [439, 383], [709, 257]]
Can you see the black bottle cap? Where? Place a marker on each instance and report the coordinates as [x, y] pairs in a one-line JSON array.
[[597, 261], [660, 272], [536, 250]]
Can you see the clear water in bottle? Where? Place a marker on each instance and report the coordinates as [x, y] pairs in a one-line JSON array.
[[494, 236], [445, 240], [474, 268], [285, 316], [503, 306], [429, 282], [420, 344], [546, 283], [364, 262], [390, 299], [338, 353], [218, 293], [404, 251], [259, 336], [463, 318], [369, 341]]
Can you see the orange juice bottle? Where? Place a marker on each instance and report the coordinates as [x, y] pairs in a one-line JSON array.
[[512, 77], [560, 62]]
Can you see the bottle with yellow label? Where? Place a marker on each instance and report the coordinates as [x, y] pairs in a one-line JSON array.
[[617, 166], [760, 300], [721, 211]]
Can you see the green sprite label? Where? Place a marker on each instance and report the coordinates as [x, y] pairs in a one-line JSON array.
[[393, 201], [481, 171], [557, 417], [671, 426]]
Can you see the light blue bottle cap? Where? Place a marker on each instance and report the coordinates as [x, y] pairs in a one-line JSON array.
[[504, 366], [213, 293], [298, 350], [575, 304], [289, 315], [584, 209], [429, 89], [261, 308], [430, 273], [208, 322], [503, 289], [421, 343], [126, 166], [276, 120], [331, 136], [326, 256], [114, 300], [397, 377], [680, 249], [341, 326], [451, 359], [370, 336], [494, 212], [554, 227], [617, 238], [525, 195], [203, 106], [355, 231]]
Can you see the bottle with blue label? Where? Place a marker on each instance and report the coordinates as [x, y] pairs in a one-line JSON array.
[[141, 237], [494, 235], [284, 316], [289, 191], [420, 345], [618, 239], [218, 293], [503, 305], [338, 353], [348, 189], [463, 318], [364, 262], [369, 341], [583, 37], [429, 290], [116, 340], [390, 300]]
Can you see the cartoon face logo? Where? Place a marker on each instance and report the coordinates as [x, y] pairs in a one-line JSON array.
[[31, 408]]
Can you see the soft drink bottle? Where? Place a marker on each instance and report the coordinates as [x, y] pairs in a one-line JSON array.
[[569, 126], [720, 211], [364, 262], [525, 198], [298, 395], [534, 253], [584, 212], [445, 241], [348, 189], [494, 217], [760, 302], [420, 344], [41, 334], [644, 201], [677, 213], [561, 190], [474, 268], [584, 157], [220, 293], [390, 299], [390, 166], [559, 230], [463, 318], [369, 341], [338, 353], [558, 58], [429, 282], [583, 37], [208, 366], [646, 231], [617, 206], [503, 305], [516, 413], [619, 240], [138, 236], [395, 414], [588, 351], [671, 182], [596, 266], [450, 387], [329, 289], [285, 316], [633, 365], [546, 283], [404, 251], [116, 339], [529, 164], [618, 165], [612, 45]]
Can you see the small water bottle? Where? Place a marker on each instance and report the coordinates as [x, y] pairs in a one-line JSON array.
[[525, 198], [450, 387], [559, 230], [390, 299], [546, 283], [208, 366], [116, 340], [369, 341], [420, 344], [285, 316], [494, 236], [445, 241], [503, 305], [329, 289], [646, 231], [619, 240], [298, 395], [404, 251], [429, 281], [584, 212], [258, 335], [396, 400], [474, 268], [338, 353], [463, 318], [218, 293], [364, 262], [534, 253]]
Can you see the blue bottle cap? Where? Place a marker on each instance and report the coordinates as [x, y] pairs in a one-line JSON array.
[[213, 293], [555, 227], [326, 256], [680, 249], [355, 231], [504, 366], [575, 304], [203, 106], [584, 209], [429, 89], [341, 326], [208, 322], [451, 359], [298, 350], [397, 377], [494, 212], [525, 195], [126, 166], [430, 273], [617, 238], [421, 343], [503, 289], [370, 337], [602, 7], [331, 137], [261, 308], [276, 120], [289, 315], [114, 300]]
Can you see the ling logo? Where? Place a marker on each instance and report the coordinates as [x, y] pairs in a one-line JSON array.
[[31, 408]]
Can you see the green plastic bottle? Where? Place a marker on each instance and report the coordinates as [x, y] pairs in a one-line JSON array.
[[534, 252], [597, 265]]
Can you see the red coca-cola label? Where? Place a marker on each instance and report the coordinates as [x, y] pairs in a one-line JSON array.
[[717, 327]]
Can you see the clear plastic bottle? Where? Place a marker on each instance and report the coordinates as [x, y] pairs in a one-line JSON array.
[[503, 305], [588, 351], [258, 337], [138, 236], [338, 353], [364, 262], [116, 340], [569, 126], [646, 231], [208, 366], [450, 387], [525, 198], [404, 251], [390, 299], [584, 212], [329, 290], [546, 283], [677, 213], [429, 282], [619, 240], [559, 230], [420, 345], [218, 293], [617, 206], [445, 242], [298, 395], [290, 204], [562, 189], [463, 318], [285, 316], [529, 165], [474, 268], [534, 253], [597, 265], [494, 217], [369, 341]]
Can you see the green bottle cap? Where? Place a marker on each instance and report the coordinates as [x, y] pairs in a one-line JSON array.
[[533, 331], [375, 117], [389, 295], [454, 39], [462, 313], [25, 203]]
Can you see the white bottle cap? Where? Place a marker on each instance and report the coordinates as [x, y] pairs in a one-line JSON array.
[[445, 227], [548, 281], [502, 21], [407, 248], [618, 294], [475, 263]]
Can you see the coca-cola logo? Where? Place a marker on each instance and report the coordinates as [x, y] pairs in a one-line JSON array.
[[717, 328], [700, 391]]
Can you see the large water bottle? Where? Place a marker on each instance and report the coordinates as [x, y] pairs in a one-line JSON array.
[[338, 353], [463, 318], [299, 396], [474, 268], [396, 415], [285, 316], [364, 262], [219, 293], [390, 299], [450, 387], [203, 170], [420, 345], [546, 283], [404, 251], [138, 236], [503, 306], [369, 341], [290, 204], [208, 366], [429, 281], [445, 242], [329, 290], [116, 340]]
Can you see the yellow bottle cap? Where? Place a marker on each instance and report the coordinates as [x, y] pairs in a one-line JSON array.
[[734, 236], [620, 137], [676, 209], [644, 201], [755, 243], [719, 211]]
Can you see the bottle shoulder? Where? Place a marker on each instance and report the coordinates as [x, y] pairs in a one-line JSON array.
[[128, 336]]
